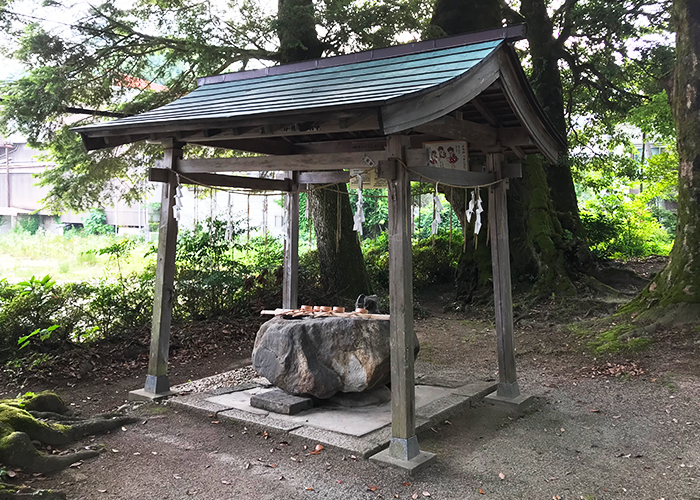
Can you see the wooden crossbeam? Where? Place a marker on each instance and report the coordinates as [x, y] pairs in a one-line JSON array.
[[481, 136], [485, 111], [300, 162], [450, 127], [324, 177], [232, 181]]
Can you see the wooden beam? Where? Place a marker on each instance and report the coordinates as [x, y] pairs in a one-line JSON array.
[[462, 178], [237, 181], [261, 146], [518, 152], [265, 127], [485, 111], [452, 128], [525, 107], [300, 162], [331, 177], [346, 146], [157, 379], [290, 284], [407, 113], [404, 444], [500, 262]]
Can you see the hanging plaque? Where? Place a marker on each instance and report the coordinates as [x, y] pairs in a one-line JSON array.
[[370, 179], [448, 154]]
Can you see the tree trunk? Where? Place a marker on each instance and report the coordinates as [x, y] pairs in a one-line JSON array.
[[546, 83], [537, 242], [340, 257], [342, 266], [296, 30], [679, 283], [449, 17], [540, 249]]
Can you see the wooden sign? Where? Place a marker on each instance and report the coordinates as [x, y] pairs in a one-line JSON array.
[[448, 154], [370, 179]]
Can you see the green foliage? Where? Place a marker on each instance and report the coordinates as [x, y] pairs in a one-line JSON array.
[[433, 261], [28, 224], [96, 223], [621, 227]]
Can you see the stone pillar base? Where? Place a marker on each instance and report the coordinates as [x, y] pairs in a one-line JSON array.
[[516, 404], [417, 463], [144, 395]]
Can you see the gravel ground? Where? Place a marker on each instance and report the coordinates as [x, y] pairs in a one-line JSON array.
[[584, 438], [613, 427], [227, 379]]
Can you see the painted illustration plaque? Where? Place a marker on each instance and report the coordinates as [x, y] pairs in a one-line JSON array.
[[448, 154]]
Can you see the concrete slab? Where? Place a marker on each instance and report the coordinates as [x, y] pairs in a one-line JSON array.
[[196, 402], [476, 391], [361, 431], [363, 447], [278, 401], [240, 400], [516, 404], [142, 395], [410, 467], [263, 422], [443, 408], [236, 388]]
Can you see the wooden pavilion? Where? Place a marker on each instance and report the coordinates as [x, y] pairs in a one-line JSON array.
[[319, 119]]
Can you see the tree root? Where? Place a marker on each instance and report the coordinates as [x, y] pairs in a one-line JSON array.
[[57, 427]]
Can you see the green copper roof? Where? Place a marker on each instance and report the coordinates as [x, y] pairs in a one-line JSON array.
[[356, 84]]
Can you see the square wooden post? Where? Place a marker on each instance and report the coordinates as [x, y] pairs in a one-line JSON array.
[[290, 286], [508, 392], [403, 449], [157, 383]]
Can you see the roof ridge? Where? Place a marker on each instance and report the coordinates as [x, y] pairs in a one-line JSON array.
[[507, 33]]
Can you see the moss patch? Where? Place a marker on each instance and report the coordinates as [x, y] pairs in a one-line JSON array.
[[607, 337]]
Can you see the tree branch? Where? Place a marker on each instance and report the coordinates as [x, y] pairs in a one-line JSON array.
[[511, 15], [566, 11]]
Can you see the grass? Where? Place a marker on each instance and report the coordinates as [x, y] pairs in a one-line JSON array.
[[68, 258], [612, 339]]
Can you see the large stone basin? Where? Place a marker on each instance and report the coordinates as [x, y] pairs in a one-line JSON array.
[[323, 356]]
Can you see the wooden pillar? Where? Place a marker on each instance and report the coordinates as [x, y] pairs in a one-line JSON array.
[[290, 286], [503, 300], [403, 451], [157, 382]]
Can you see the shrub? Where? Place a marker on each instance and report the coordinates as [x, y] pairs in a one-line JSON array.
[[96, 223], [621, 228]]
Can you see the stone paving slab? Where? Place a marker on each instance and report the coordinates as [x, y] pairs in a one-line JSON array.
[[196, 402], [362, 447], [279, 401], [476, 391], [264, 422], [361, 431], [443, 408]]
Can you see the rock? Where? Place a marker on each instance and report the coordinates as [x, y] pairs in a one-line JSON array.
[[323, 356], [279, 401], [377, 396]]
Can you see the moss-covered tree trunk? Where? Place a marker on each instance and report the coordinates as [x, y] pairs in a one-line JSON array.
[[679, 283], [342, 266], [539, 249], [547, 85], [340, 257]]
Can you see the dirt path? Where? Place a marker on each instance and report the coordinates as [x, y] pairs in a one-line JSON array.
[[602, 428]]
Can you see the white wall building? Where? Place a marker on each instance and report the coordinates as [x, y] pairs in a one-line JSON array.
[[21, 197]]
